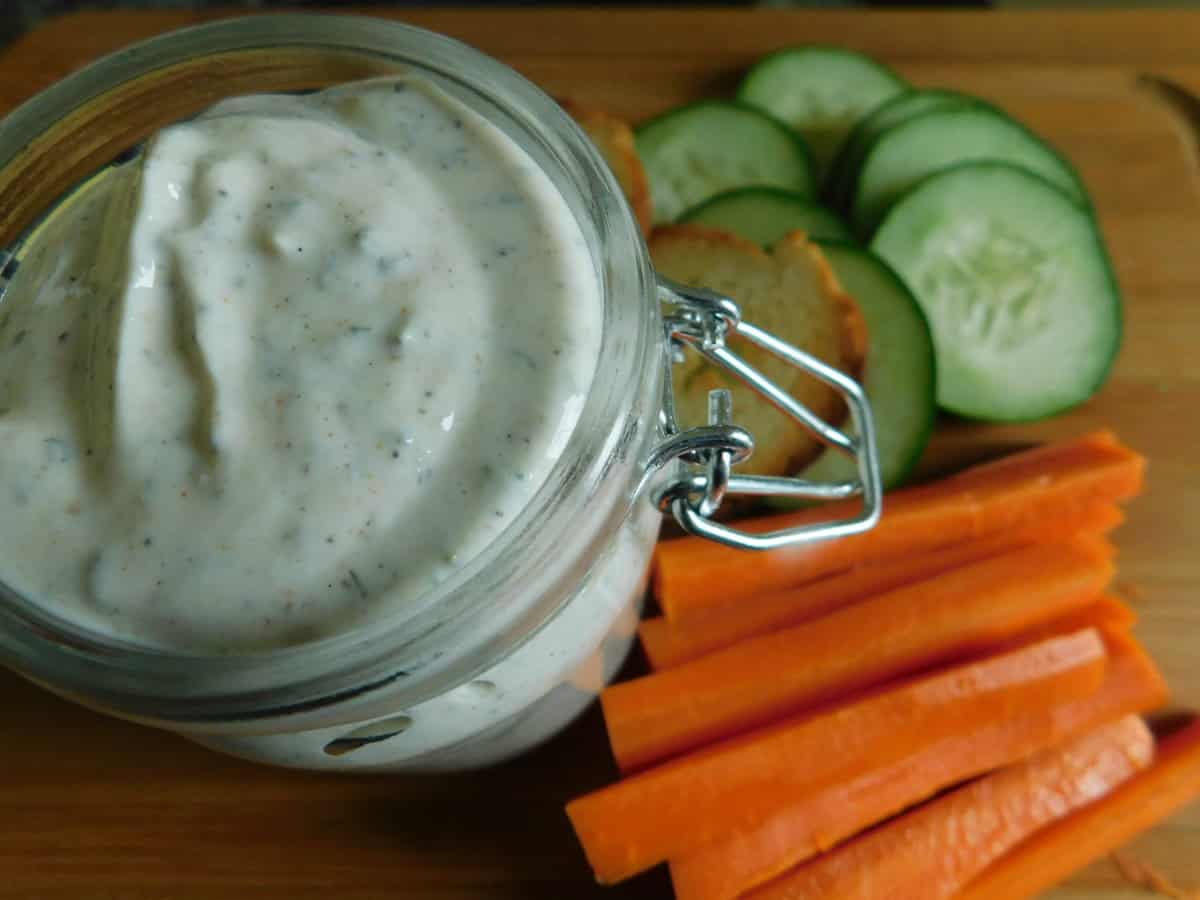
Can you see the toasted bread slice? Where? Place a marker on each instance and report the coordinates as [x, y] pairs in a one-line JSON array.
[[614, 139], [791, 292]]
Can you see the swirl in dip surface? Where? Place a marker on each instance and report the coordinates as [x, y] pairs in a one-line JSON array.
[[288, 369]]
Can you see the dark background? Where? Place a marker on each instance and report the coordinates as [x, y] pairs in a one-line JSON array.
[[17, 16]]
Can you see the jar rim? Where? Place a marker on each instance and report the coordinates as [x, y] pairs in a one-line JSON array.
[[596, 471]]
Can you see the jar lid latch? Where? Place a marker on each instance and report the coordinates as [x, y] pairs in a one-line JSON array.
[[704, 456]]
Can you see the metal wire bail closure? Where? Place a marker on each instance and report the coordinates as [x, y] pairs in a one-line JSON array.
[[704, 456]]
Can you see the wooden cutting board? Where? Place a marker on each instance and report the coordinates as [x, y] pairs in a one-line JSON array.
[[94, 808]]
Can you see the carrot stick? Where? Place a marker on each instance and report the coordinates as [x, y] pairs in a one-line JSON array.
[[1111, 614], [675, 809], [951, 616], [668, 644], [932, 852], [1132, 684], [814, 821], [1107, 613], [1115, 614], [691, 574], [1041, 862]]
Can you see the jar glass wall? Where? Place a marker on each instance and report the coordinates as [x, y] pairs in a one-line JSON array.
[[514, 644]]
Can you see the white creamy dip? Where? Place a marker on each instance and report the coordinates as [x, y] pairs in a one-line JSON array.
[[288, 369]]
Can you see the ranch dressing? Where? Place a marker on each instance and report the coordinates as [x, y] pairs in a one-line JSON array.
[[288, 369]]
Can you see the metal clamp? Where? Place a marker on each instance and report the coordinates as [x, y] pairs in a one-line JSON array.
[[705, 456]]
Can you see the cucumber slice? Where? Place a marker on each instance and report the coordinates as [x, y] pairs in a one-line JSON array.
[[697, 151], [839, 185], [904, 155], [1015, 281], [764, 215], [900, 374], [821, 92]]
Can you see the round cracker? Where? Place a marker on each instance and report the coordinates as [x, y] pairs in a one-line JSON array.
[[791, 292]]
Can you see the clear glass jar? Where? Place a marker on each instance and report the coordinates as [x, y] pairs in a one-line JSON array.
[[518, 642]]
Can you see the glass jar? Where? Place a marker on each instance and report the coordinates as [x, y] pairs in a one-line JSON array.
[[514, 645]]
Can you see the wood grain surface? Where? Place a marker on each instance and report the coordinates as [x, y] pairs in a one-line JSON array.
[[94, 808]]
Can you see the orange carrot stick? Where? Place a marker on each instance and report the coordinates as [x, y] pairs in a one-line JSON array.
[[1041, 862], [818, 820], [668, 644], [1107, 613], [1115, 614], [675, 809], [1132, 684], [691, 574], [1110, 614], [956, 614], [932, 852]]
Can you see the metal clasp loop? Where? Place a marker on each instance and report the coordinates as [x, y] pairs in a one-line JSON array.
[[704, 456]]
